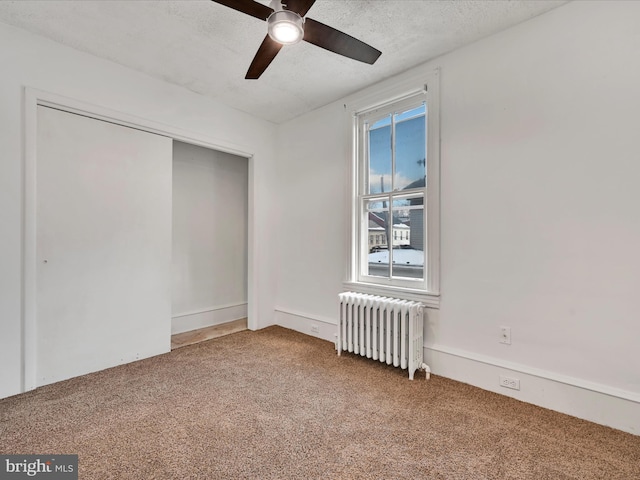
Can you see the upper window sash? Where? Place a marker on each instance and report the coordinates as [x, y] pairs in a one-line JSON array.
[[369, 118]]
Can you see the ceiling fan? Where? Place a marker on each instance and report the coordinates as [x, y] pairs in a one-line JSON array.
[[286, 25]]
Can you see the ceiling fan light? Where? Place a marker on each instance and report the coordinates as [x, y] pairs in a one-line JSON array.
[[285, 27]]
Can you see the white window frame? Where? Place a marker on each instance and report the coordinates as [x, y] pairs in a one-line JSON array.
[[389, 100]]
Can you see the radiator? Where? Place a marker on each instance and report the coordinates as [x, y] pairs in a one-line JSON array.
[[385, 329]]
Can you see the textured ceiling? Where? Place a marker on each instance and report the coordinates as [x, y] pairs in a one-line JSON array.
[[207, 47]]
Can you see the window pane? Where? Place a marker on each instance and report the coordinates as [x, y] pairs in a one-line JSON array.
[[380, 156], [403, 206], [408, 253], [378, 234], [410, 149]]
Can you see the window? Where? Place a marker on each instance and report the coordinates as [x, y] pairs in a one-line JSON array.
[[396, 192]]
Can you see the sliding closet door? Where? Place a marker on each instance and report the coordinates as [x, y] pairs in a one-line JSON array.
[[103, 247]]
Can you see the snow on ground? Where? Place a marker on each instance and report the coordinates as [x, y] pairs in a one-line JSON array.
[[401, 256]]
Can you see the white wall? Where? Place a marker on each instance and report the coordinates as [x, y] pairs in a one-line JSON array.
[[209, 256], [29, 60], [539, 212], [313, 209]]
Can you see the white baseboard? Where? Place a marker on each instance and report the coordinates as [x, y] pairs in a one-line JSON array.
[[593, 402], [596, 403], [185, 322], [327, 328]]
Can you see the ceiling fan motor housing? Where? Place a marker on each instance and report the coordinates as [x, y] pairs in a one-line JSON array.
[[285, 27]]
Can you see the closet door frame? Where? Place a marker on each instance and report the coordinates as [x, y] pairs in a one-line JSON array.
[[34, 98]]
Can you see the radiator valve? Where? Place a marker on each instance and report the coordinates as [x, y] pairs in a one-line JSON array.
[[427, 370]]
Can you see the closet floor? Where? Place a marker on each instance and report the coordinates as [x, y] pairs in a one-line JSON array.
[[195, 336]]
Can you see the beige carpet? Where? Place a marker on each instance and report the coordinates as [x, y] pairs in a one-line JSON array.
[[278, 404]]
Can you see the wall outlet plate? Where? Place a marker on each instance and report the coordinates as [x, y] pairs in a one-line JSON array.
[[505, 335], [509, 382]]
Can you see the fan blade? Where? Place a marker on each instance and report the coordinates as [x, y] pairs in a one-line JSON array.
[[249, 7], [301, 7], [265, 55], [338, 42]]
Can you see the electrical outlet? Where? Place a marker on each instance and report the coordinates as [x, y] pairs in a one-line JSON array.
[[509, 382], [315, 328], [505, 335]]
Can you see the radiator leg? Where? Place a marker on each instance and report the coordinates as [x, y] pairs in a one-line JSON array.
[[427, 370]]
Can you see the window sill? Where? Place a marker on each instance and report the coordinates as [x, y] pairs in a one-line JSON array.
[[430, 300]]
